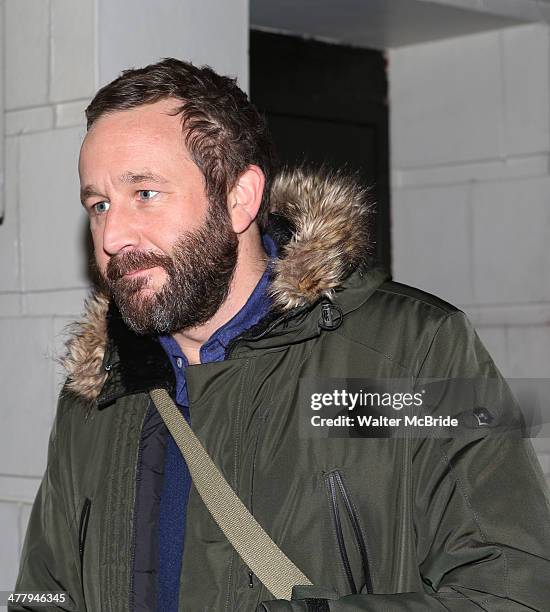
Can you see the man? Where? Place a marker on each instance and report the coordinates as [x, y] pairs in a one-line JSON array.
[[231, 310]]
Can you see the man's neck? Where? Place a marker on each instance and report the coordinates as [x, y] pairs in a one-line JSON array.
[[251, 264]]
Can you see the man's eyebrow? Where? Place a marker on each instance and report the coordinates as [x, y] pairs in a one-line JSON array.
[[140, 177], [127, 177]]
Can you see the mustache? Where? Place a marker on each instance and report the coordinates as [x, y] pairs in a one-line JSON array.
[[132, 261]]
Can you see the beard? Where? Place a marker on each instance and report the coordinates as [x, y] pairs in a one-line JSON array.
[[198, 277]]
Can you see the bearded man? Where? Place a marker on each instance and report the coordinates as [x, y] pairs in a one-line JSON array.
[[228, 288]]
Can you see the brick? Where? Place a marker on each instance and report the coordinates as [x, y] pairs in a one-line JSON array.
[[9, 560], [526, 52], [535, 165], [10, 304], [529, 354], [431, 241], [511, 233], [26, 378], [18, 489], [53, 223], [24, 516], [541, 445], [60, 302], [73, 49], [446, 101], [29, 120], [544, 459], [71, 113], [27, 53], [509, 314], [9, 230], [208, 32]]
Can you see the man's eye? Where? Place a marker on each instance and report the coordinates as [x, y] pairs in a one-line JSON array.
[[147, 194], [100, 207]]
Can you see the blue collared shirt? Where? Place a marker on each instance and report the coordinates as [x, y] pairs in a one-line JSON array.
[[177, 480]]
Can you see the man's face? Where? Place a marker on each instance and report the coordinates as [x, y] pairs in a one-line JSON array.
[[164, 251]]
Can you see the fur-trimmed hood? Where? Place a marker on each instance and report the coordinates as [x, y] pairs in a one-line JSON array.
[[326, 216]]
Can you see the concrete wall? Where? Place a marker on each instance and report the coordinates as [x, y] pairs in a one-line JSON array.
[[57, 53], [470, 142]]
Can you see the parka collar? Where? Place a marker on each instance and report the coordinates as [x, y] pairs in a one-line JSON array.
[[321, 224]]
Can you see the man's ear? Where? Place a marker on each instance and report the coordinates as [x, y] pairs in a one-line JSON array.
[[245, 198]]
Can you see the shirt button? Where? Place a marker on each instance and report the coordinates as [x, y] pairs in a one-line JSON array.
[[179, 362]]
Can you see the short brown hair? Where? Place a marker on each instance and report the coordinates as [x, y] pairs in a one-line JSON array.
[[224, 132]]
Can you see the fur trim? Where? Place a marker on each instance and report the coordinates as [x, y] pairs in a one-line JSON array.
[[86, 347], [328, 213]]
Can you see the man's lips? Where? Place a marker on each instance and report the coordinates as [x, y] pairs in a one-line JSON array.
[[140, 271]]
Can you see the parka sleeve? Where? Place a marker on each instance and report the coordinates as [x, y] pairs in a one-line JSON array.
[[481, 505], [48, 559]]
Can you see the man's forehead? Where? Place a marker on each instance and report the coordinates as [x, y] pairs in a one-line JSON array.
[[138, 136], [118, 134], [154, 122]]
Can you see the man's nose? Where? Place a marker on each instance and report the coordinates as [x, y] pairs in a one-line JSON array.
[[120, 230]]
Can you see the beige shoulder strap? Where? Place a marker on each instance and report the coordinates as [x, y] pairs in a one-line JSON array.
[[272, 567]]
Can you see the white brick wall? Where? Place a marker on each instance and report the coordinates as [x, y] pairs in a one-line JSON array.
[[189, 28], [56, 54], [470, 142], [26, 27], [41, 258], [72, 50]]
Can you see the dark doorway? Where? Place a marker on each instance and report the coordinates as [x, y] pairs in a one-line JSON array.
[[327, 104]]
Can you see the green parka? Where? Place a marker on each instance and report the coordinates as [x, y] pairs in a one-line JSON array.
[[377, 524]]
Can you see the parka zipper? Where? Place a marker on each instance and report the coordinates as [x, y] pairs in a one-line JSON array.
[[336, 483], [339, 534], [357, 530], [261, 426], [82, 530]]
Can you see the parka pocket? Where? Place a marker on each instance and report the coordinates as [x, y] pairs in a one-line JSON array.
[[82, 530], [343, 509]]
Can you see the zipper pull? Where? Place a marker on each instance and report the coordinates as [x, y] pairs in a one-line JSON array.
[[250, 581]]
